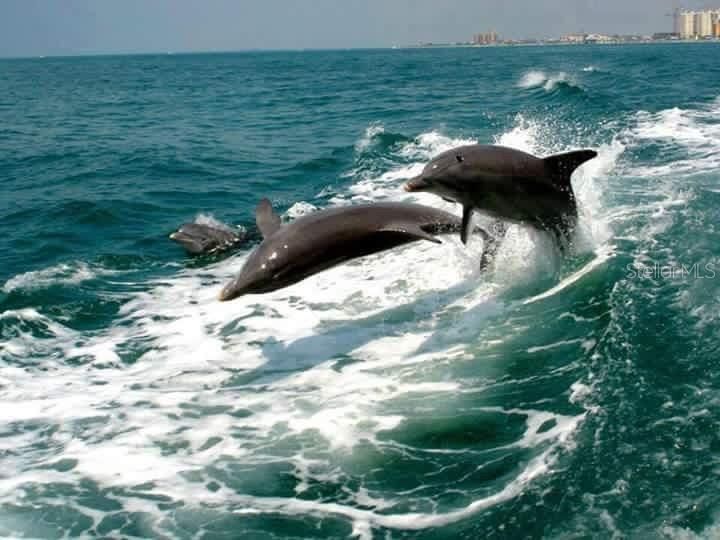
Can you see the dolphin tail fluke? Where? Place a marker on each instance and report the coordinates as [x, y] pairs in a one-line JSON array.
[[560, 167], [465, 228]]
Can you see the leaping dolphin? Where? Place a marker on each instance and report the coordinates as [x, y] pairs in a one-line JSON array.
[[326, 238], [507, 184]]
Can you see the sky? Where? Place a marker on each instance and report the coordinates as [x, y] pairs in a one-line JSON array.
[[69, 27]]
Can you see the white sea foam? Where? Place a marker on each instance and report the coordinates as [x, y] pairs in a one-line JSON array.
[[370, 133], [690, 143], [548, 81], [524, 136], [211, 221], [61, 274], [300, 209], [676, 125], [710, 532], [182, 382], [531, 79], [365, 520], [696, 132]]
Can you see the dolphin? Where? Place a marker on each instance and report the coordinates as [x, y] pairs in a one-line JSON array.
[[200, 239], [326, 238], [507, 184]]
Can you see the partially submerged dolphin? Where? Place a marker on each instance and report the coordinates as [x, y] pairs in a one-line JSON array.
[[507, 184], [326, 238], [201, 239]]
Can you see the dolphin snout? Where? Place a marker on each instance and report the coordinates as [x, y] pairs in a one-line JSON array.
[[418, 183], [236, 288]]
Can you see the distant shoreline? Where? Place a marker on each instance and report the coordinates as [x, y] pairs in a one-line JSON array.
[[385, 48], [556, 44]]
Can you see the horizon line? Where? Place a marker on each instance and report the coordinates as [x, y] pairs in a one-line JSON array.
[[199, 51], [421, 45]]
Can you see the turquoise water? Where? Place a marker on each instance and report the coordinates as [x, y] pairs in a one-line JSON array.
[[406, 395]]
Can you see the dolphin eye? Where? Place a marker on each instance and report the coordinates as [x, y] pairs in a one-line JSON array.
[[459, 158]]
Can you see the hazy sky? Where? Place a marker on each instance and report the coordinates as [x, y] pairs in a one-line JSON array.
[[52, 27]]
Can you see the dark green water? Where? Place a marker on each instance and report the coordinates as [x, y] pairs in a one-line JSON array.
[[405, 395]]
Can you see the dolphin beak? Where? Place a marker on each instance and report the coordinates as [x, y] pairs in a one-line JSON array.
[[187, 241], [417, 183], [236, 288]]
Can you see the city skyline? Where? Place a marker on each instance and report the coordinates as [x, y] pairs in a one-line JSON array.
[[76, 27], [698, 23]]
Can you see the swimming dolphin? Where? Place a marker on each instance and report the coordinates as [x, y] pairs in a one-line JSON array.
[[318, 241], [200, 239], [507, 184]]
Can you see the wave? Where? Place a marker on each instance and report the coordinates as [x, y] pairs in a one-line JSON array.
[[64, 274], [699, 128], [334, 368], [208, 219], [364, 521], [548, 81], [685, 533], [377, 138], [28, 336], [300, 209], [371, 134], [368, 186], [689, 139]]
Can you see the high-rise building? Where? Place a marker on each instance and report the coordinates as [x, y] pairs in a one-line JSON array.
[[698, 20], [687, 25], [699, 24], [705, 28], [488, 38]]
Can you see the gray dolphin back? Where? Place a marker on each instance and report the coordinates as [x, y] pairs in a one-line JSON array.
[[204, 239], [323, 239]]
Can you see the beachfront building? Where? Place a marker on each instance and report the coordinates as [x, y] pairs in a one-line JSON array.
[[706, 23], [573, 38], [687, 24], [488, 38], [600, 38], [699, 24]]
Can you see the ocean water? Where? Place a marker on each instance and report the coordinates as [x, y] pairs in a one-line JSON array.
[[405, 395]]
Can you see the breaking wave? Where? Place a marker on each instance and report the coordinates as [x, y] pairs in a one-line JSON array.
[[548, 81]]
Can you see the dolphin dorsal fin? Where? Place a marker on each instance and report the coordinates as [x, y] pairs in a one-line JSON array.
[[268, 221], [560, 167]]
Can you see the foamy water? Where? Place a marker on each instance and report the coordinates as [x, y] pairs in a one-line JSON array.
[[271, 368], [401, 395]]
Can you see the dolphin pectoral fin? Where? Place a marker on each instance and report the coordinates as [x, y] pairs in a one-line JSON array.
[[412, 231], [268, 221], [465, 228], [560, 167]]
